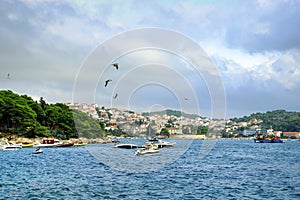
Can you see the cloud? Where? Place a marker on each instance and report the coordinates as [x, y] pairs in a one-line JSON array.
[[255, 44], [238, 65], [286, 70], [259, 27], [260, 81]]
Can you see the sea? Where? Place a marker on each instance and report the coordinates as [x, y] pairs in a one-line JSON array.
[[191, 169]]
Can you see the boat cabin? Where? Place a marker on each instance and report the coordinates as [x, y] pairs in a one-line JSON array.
[[50, 141]]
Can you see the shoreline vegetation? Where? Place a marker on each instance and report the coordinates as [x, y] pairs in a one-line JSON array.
[[17, 140]]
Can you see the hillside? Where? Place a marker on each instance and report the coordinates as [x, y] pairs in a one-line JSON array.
[[170, 113], [277, 119], [21, 115]]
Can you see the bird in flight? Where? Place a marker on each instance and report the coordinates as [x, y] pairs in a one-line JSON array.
[[106, 82], [7, 77], [116, 95], [116, 65]]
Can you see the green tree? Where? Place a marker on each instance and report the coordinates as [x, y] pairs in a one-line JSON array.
[[86, 125], [202, 130], [43, 103], [23, 116], [60, 121], [165, 132], [278, 119]]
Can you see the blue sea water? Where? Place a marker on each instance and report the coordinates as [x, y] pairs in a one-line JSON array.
[[233, 169]]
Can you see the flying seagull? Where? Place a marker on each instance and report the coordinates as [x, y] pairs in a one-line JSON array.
[[106, 82], [7, 77], [116, 95], [116, 65]]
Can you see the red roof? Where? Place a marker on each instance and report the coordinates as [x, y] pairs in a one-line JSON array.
[[291, 133]]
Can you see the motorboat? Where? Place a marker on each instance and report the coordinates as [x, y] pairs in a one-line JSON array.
[[5, 146], [114, 140], [126, 146], [37, 151], [260, 138], [268, 140], [150, 145], [27, 145], [147, 149], [65, 144], [79, 144], [161, 143], [49, 142], [140, 152]]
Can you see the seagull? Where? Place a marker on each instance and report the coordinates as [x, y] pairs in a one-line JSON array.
[[116, 95], [7, 77], [106, 82], [116, 65]]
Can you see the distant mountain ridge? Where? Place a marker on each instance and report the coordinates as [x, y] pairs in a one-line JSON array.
[[172, 112]]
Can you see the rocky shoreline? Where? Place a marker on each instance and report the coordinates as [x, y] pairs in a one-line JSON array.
[[24, 140]]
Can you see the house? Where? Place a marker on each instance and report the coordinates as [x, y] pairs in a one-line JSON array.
[[249, 132]]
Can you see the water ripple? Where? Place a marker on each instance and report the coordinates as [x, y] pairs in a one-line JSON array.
[[232, 170]]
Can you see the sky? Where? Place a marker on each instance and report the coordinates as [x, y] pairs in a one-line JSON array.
[[213, 58]]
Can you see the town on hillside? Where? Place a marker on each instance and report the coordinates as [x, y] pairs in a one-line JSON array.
[[172, 124]]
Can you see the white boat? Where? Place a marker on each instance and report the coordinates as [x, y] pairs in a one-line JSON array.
[[126, 146], [146, 152], [148, 148], [161, 143], [5, 146], [49, 142], [37, 151]]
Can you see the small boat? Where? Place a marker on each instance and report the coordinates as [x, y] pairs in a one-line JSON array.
[[65, 144], [140, 152], [79, 144], [161, 143], [260, 138], [268, 140], [49, 142], [27, 145], [126, 146], [114, 140], [147, 149], [5, 146], [149, 145], [37, 151]]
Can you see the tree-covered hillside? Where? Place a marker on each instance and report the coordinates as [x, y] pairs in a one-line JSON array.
[[278, 119], [21, 115]]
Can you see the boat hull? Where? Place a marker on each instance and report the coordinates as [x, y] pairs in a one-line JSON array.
[[45, 145], [70, 144], [79, 144], [126, 146], [10, 148], [37, 152], [163, 144], [5, 146], [27, 145], [146, 152], [268, 141]]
